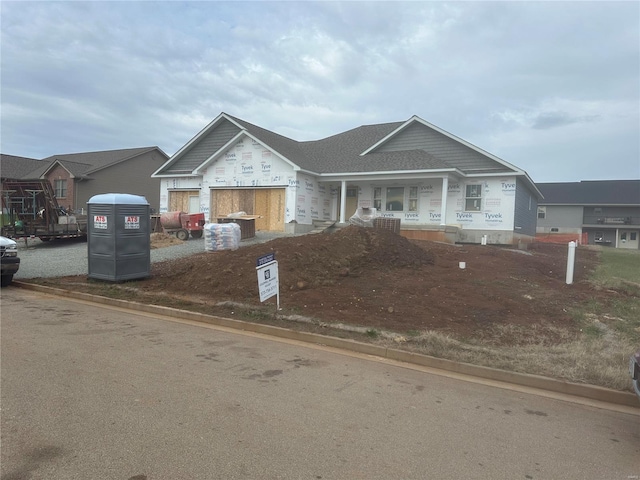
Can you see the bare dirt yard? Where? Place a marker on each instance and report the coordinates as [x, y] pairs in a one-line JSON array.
[[380, 280]]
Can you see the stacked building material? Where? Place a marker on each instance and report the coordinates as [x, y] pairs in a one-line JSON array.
[[221, 236]]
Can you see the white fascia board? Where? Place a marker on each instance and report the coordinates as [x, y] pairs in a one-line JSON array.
[[176, 175], [415, 118], [435, 172], [191, 142]]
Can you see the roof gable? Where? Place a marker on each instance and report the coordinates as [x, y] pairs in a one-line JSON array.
[[201, 147], [416, 133]]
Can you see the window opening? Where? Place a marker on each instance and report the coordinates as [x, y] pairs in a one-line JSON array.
[[377, 198], [473, 198], [60, 187], [413, 199], [395, 199], [542, 213]]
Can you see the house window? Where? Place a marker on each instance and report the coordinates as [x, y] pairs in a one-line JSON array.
[[555, 230], [599, 237], [633, 236], [395, 199], [377, 198], [542, 213], [413, 199], [473, 198], [60, 187]]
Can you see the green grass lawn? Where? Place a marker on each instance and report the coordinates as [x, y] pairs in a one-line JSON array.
[[619, 267]]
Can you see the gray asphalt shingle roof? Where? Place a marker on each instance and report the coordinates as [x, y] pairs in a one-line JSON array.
[[340, 153], [17, 167], [80, 164], [591, 192]]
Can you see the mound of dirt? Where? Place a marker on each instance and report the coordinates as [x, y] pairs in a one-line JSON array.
[[378, 279]]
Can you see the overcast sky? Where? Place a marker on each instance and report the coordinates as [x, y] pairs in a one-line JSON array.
[[551, 87]]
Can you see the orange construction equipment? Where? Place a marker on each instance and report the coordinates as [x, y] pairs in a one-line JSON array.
[[183, 224]]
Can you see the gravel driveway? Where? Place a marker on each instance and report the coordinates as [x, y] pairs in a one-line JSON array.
[[61, 258]]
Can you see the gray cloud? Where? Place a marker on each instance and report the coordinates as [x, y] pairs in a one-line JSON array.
[[540, 84]]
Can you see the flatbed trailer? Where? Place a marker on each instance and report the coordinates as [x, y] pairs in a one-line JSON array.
[[30, 210]]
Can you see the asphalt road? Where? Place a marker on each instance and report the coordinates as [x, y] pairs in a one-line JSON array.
[[91, 392]]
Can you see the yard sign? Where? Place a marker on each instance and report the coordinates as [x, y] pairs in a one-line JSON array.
[[268, 286]]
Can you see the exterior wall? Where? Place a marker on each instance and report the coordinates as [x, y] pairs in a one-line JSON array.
[[611, 216], [497, 210], [309, 200], [61, 173], [132, 176], [604, 237], [526, 210], [560, 218]]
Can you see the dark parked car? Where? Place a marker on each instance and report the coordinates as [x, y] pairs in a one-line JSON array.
[[634, 371], [10, 260]]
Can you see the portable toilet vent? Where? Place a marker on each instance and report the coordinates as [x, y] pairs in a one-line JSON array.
[[118, 237]]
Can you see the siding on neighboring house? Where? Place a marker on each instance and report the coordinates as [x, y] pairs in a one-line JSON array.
[[561, 218], [611, 215], [420, 137], [124, 177]]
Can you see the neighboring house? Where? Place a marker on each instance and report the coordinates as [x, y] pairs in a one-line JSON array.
[[598, 212], [13, 168], [77, 177], [437, 185]]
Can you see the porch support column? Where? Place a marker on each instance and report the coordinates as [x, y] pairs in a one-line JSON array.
[[443, 206], [343, 200]]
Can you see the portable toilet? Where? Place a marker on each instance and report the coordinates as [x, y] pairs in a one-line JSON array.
[[118, 237]]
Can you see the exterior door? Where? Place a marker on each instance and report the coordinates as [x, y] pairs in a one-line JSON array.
[[628, 239], [194, 204], [350, 205], [352, 202], [267, 203], [270, 206], [180, 201]]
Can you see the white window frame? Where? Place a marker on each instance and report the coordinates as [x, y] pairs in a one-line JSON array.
[[543, 211], [410, 198], [473, 197], [60, 188]]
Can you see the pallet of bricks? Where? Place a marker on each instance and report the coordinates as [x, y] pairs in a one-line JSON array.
[[383, 223]]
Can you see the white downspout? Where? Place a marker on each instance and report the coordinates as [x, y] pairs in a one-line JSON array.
[[343, 200], [443, 207]]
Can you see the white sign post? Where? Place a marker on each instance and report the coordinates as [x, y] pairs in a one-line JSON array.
[[268, 285]]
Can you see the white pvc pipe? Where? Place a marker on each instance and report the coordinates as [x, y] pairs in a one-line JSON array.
[[571, 260]]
